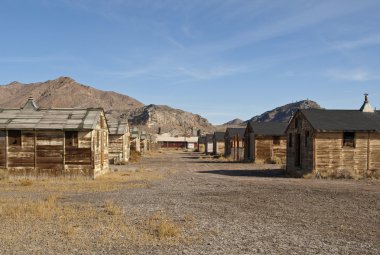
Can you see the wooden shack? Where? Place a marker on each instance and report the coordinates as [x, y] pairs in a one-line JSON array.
[[209, 144], [135, 140], [218, 143], [265, 142], [202, 144], [234, 143], [53, 142], [119, 141], [335, 143]]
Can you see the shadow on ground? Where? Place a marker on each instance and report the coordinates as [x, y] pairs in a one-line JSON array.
[[272, 173]]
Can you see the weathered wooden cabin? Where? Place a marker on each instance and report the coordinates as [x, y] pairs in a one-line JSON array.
[[135, 140], [177, 142], [218, 143], [202, 144], [53, 142], [234, 143], [265, 142], [209, 144], [119, 141], [335, 143]]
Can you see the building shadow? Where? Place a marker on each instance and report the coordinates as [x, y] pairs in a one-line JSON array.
[[269, 173]]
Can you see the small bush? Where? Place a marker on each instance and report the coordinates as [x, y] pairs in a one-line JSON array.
[[25, 182], [274, 160], [135, 156]]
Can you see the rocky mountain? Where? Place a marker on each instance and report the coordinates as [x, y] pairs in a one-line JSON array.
[[234, 122], [65, 92], [284, 113], [167, 120]]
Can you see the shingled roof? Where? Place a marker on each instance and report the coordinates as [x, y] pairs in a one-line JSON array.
[[269, 128], [118, 127], [219, 136], [342, 120], [33, 118], [235, 131]]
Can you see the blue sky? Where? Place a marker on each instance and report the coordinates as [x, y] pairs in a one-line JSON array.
[[221, 59]]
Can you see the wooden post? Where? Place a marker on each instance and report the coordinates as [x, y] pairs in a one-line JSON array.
[[368, 152], [35, 151], [6, 149], [64, 152], [314, 152]]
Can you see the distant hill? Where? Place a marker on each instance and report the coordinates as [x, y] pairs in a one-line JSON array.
[[169, 120], [64, 92], [234, 122], [284, 113]]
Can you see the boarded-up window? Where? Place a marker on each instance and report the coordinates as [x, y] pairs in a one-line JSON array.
[[349, 139], [71, 139], [290, 140], [307, 135], [276, 140], [14, 137]]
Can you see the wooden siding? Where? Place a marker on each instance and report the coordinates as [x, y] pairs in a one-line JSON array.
[[201, 147], [266, 150], [218, 148], [50, 153], [234, 148], [323, 152], [118, 147]]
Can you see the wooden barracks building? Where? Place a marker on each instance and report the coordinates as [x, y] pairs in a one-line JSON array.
[[335, 143], [53, 142]]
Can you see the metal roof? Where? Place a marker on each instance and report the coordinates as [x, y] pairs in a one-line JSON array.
[[57, 119], [118, 127], [269, 128], [342, 120]]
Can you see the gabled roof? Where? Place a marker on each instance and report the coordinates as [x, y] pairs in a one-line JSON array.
[[342, 120], [219, 136], [269, 128], [31, 117], [118, 127], [202, 139], [209, 138], [231, 132]]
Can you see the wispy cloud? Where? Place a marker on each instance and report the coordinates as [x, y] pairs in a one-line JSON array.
[[360, 75], [358, 43], [211, 73]]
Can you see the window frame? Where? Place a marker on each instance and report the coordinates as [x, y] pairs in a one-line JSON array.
[[349, 140]]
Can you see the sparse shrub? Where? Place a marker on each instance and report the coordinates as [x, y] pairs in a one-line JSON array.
[[167, 229], [112, 209], [135, 156], [274, 160], [25, 182], [4, 174]]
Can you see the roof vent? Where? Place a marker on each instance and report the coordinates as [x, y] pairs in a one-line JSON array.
[[366, 107], [30, 105]]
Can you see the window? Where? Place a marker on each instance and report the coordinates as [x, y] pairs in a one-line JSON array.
[[71, 138], [14, 137], [349, 139], [290, 141], [276, 140], [307, 135]]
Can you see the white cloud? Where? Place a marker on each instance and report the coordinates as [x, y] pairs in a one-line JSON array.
[[359, 43], [353, 75]]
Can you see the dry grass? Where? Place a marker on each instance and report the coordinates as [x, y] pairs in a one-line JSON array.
[[105, 183], [82, 225], [134, 157]]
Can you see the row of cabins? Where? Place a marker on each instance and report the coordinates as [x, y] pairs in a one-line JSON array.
[[319, 141], [60, 142]]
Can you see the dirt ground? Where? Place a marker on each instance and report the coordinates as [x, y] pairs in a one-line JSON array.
[[185, 203]]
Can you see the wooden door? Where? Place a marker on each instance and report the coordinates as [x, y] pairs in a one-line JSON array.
[[297, 150]]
